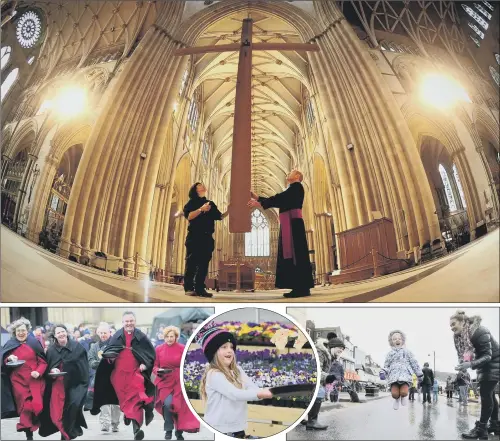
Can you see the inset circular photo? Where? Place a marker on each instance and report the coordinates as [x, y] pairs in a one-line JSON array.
[[250, 373]]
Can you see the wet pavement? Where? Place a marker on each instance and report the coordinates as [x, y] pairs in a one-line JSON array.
[[377, 420], [152, 432]]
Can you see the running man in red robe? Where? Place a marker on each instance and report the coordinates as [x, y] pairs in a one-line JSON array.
[[293, 268], [23, 386], [170, 402], [124, 376]]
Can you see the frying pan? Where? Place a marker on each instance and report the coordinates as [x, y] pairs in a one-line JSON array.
[[292, 390], [15, 363]]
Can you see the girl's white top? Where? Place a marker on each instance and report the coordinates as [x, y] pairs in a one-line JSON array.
[[227, 409]]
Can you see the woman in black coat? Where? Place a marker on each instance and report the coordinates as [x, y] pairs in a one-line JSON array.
[[477, 349], [65, 395], [201, 214]]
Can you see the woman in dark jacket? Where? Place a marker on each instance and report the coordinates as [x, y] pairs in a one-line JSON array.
[[201, 214], [478, 350]]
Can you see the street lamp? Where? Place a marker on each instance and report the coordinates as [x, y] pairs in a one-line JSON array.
[[434, 352]]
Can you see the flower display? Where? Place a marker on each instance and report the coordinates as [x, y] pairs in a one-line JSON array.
[[265, 368], [260, 334]]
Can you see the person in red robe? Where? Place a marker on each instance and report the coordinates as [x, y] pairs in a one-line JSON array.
[[65, 395], [124, 376], [169, 401], [23, 386]]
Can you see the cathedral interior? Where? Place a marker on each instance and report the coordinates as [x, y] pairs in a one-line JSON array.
[[393, 121]]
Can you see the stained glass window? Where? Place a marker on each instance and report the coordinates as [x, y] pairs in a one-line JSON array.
[[475, 16], [204, 151], [309, 112], [495, 75], [194, 111], [31, 59], [497, 57], [29, 29], [488, 5], [483, 11], [5, 56], [459, 185], [8, 82], [476, 30], [183, 81], [257, 241], [475, 40], [447, 189]]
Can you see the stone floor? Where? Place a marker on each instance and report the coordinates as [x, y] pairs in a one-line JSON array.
[[30, 274]]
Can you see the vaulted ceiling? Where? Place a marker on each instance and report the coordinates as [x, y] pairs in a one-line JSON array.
[[277, 79]]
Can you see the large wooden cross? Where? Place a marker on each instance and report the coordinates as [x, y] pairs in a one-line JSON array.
[[241, 159]]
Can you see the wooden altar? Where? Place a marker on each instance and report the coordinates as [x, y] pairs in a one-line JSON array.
[[366, 251], [236, 275]]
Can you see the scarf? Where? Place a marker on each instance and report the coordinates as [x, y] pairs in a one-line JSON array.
[[463, 344]]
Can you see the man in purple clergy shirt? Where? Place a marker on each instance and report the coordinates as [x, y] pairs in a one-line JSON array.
[[293, 268]]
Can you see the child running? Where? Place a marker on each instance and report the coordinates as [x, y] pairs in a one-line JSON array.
[[399, 366], [224, 387]]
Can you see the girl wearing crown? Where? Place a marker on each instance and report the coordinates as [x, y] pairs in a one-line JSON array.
[[224, 387]]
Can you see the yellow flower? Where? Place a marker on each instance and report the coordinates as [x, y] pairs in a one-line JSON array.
[[274, 369]]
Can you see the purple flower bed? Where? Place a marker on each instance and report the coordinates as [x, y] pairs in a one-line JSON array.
[[265, 368]]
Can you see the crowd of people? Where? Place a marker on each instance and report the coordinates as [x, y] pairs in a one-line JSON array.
[[52, 374], [477, 350]]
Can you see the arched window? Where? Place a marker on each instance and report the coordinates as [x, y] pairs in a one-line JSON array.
[[447, 189], [183, 81], [8, 82], [475, 16], [459, 185], [5, 56], [257, 241], [488, 5], [475, 40], [194, 110], [497, 57], [31, 59], [205, 151], [483, 11], [493, 72], [309, 112], [476, 29]]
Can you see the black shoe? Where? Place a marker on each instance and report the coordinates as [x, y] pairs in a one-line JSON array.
[[494, 427], [138, 433], [312, 418], [479, 432], [204, 293], [296, 294], [168, 434], [126, 421], [178, 434], [303, 422], [29, 434]]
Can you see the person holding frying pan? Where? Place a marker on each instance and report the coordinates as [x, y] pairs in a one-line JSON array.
[[169, 401]]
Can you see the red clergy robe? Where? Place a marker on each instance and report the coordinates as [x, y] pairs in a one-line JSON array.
[[26, 390], [57, 399], [128, 383], [169, 357]]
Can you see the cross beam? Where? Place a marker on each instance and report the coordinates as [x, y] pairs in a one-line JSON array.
[[241, 158]]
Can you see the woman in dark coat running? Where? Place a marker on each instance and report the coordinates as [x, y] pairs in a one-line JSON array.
[[23, 385], [293, 268], [478, 350], [201, 214], [65, 395]]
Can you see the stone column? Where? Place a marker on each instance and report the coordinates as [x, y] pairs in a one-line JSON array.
[[113, 206], [24, 185], [491, 183]]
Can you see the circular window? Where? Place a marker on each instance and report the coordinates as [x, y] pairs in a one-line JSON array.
[[29, 29]]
